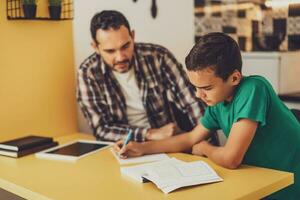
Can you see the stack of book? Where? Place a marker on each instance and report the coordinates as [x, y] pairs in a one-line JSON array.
[[171, 174], [26, 145]]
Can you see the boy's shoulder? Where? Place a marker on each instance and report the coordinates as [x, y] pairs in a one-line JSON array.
[[253, 87], [254, 80]]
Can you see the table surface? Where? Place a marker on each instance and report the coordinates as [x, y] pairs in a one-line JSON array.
[[98, 176]]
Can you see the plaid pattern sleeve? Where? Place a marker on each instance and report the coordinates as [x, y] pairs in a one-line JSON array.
[[97, 109], [181, 91]]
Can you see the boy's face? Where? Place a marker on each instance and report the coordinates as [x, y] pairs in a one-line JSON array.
[[212, 89], [115, 47]]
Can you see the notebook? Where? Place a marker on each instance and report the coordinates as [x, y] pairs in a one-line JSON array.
[[141, 159], [171, 174], [21, 153], [25, 142]]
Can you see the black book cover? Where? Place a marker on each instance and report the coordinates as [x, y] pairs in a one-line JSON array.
[[17, 154], [25, 142]]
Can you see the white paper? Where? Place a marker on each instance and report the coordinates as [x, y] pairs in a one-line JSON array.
[[141, 159], [138, 171], [170, 176]]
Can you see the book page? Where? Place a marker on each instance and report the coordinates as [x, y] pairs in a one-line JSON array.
[[138, 171], [170, 176]]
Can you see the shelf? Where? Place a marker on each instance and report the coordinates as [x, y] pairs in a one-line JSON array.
[[14, 11], [38, 18]]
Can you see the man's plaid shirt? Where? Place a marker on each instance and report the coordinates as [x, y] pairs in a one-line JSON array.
[[160, 78]]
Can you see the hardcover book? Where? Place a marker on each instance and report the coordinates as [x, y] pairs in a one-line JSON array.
[[17, 154], [26, 142]]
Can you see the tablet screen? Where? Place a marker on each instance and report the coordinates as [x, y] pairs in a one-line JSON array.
[[77, 149]]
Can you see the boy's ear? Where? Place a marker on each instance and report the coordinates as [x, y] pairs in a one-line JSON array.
[[236, 77], [95, 47]]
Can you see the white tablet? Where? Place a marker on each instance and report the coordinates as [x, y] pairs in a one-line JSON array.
[[74, 150]]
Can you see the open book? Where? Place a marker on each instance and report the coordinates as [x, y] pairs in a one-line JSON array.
[[171, 174]]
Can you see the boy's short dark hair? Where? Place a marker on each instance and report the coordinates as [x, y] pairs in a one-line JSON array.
[[217, 51], [107, 19]]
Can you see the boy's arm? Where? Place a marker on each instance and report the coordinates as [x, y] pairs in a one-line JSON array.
[[177, 143], [232, 154]]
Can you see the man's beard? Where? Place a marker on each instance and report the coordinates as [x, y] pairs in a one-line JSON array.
[[125, 62]]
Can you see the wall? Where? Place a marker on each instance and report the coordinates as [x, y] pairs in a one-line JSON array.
[[37, 86], [253, 25], [173, 26]]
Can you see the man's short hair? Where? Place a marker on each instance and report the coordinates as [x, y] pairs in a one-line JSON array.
[[108, 19], [217, 51]]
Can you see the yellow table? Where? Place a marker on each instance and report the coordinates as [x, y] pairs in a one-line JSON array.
[[97, 176]]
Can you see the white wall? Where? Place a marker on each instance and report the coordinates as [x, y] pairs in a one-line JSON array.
[[173, 27]]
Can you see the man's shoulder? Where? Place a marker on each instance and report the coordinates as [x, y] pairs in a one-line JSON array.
[[150, 48], [90, 62]]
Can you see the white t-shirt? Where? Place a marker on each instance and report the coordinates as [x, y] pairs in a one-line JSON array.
[[136, 112]]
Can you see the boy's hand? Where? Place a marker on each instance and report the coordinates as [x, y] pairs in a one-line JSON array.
[[118, 145], [198, 148], [132, 149]]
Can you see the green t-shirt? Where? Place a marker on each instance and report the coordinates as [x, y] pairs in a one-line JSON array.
[[276, 143]]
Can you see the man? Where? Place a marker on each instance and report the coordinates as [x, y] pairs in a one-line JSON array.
[[126, 86]]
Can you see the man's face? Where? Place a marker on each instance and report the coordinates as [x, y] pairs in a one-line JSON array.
[[212, 89], [115, 47]]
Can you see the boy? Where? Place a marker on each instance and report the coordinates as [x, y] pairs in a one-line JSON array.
[[261, 130]]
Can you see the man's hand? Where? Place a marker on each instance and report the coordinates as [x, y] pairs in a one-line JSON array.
[[132, 149], [163, 132], [198, 148]]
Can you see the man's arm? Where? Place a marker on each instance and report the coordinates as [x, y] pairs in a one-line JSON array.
[[232, 154], [98, 115], [181, 91], [177, 143]]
